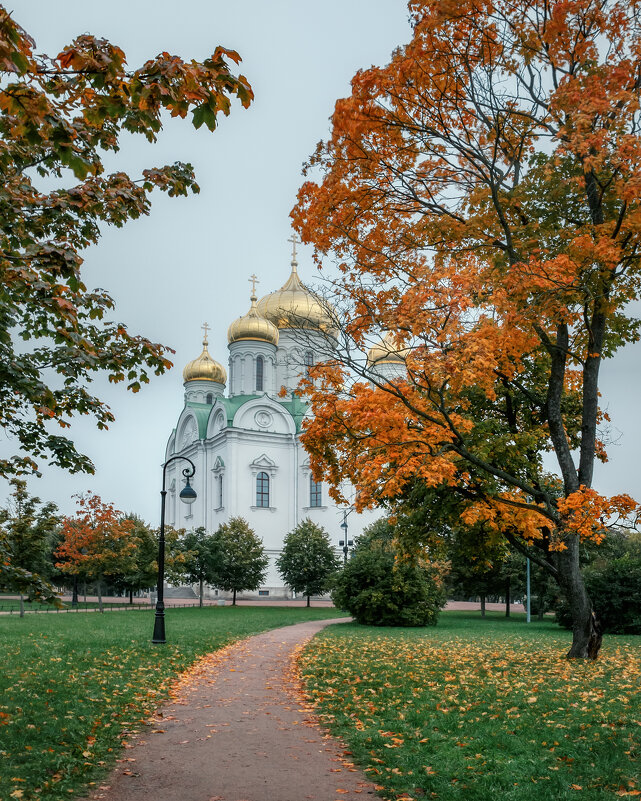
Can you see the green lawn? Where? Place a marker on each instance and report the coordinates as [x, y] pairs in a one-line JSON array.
[[12, 605], [481, 709], [73, 686]]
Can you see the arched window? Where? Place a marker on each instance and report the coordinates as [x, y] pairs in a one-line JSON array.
[[309, 361], [315, 492], [220, 491], [210, 398], [260, 370], [262, 489]]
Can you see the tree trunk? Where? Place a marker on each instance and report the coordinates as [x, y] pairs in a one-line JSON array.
[[507, 597], [308, 603], [233, 603], [74, 592], [99, 583], [131, 595], [200, 596], [586, 631], [21, 605], [483, 605]]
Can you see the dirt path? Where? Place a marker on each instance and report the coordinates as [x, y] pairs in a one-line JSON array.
[[237, 731]]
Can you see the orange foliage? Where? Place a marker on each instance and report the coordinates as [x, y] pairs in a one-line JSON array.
[[480, 195], [98, 541]]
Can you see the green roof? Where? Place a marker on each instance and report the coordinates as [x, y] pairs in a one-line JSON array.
[[294, 405], [201, 411]]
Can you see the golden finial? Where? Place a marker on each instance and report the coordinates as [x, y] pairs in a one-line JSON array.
[[205, 328], [254, 280]]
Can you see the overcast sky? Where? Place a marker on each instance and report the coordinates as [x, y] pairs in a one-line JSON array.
[[190, 260]]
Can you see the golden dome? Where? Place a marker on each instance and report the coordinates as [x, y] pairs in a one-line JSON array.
[[386, 352], [252, 326], [294, 306], [204, 368]]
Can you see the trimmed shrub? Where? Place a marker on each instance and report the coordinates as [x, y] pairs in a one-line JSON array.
[[378, 590]]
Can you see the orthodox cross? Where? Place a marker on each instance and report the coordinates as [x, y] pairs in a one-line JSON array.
[[294, 241], [254, 280], [205, 328]]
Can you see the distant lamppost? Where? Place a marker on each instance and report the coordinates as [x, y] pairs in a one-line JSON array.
[[187, 495], [345, 543]]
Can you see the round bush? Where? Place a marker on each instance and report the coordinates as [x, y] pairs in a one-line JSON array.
[[377, 591]]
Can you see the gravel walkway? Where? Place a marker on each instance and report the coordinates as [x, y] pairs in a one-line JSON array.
[[237, 730]]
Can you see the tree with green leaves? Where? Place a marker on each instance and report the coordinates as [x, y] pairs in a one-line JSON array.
[[379, 586], [307, 561], [61, 118], [240, 559], [27, 526], [199, 551], [145, 567]]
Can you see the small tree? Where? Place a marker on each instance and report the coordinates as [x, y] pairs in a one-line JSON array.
[[241, 563], [307, 561], [97, 542], [145, 572], [28, 527], [199, 552], [379, 590]]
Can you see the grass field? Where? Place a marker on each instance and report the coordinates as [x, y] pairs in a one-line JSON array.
[[73, 687], [12, 606], [481, 709]]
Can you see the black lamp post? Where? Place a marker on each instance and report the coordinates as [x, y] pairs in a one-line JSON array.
[[187, 495], [345, 543]]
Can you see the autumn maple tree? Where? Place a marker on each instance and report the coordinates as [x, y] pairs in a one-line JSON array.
[[480, 195], [98, 542], [59, 118]]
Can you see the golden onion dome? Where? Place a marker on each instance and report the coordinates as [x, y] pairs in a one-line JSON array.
[[204, 368], [294, 306], [252, 326], [386, 352]]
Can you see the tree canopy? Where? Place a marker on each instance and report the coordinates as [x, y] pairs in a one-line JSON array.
[[307, 560], [198, 550], [240, 562], [98, 542], [59, 118], [480, 195], [27, 530]]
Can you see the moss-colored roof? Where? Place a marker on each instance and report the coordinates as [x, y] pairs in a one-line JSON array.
[[294, 405], [297, 408], [201, 412]]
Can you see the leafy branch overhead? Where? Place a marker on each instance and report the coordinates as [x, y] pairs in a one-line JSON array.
[[59, 118]]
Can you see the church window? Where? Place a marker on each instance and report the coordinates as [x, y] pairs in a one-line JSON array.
[[220, 492], [210, 398], [260, 370], [309, 361], [315, 492], [262, 489]]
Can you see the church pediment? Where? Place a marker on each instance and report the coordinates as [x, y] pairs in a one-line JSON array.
[[263, 464]]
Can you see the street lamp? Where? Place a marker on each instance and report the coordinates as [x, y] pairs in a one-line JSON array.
[[345, 543], [187, 495]]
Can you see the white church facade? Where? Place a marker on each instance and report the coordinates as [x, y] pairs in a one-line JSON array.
[[242, 431]]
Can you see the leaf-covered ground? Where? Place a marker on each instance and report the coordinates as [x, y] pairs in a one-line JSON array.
[[481, 709], [74, 686]]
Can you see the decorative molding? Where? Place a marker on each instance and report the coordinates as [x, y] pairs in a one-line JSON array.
[[263, 418], [188, 433], [263, 464], [219, 466]]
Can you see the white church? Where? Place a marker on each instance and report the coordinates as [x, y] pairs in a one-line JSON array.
[[243, 434]]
